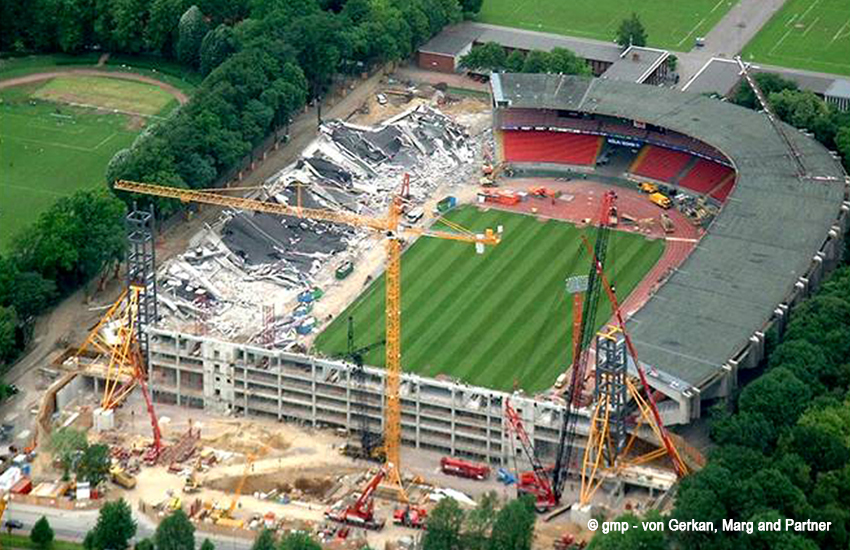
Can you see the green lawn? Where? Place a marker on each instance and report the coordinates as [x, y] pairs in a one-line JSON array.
[[107, 93], [494, 318], [24, 543], [806, 34], [49, 150], [671, 24]]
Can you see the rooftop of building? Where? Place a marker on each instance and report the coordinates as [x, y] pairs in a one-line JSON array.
[[759, 246], [635, 64]]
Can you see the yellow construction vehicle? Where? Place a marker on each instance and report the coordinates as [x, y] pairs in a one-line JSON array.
[[122, 478], [395, 233], [191, 484], [648, 187], [662, 200]]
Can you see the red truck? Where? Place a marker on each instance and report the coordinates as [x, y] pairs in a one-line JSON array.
[[462, 468]]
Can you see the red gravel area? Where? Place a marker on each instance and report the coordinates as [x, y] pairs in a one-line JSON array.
[[580, 202]]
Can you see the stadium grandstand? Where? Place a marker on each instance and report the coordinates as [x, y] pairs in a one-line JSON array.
[[775, 235]]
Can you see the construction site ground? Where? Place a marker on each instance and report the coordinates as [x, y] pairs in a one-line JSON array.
[[305, 463]]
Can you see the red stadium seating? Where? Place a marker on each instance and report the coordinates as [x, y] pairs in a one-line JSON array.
[[705, 176], [722, 191], [555, 147], [660, 164]]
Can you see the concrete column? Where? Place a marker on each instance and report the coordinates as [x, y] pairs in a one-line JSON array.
[[177, 382]]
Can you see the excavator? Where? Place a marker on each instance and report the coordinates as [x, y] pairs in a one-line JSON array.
[[225, 517], [362, 512]]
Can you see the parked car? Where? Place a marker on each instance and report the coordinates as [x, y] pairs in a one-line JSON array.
[[14, 524]]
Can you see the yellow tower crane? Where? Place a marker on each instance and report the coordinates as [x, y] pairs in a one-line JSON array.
[[391, 227]]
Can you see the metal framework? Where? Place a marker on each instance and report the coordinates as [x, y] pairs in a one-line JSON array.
[[141, 271], [395, 233]]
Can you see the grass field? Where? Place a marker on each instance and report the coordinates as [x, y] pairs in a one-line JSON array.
[[24, 543], [495, 318], [107, 93], [806, 34], [669, 24], [49, 149]]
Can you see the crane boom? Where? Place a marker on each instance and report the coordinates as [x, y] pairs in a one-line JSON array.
[[390, 225], [567, 434], [678, 464], [537, 481]]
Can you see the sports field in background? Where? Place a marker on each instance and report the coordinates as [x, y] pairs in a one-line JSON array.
[[806, 34], [669, 24], [49, 149], [494, 318]]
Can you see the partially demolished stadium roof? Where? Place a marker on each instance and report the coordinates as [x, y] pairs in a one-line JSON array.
[[764, 239], [248, 260]]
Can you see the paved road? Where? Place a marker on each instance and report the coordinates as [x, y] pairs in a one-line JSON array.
[[73, 525], [730, 35]]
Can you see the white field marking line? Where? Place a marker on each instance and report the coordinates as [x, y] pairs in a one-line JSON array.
[[35, 189], [526, 25], [840, 32], [717, 5], [107, 138], [701, 21], [805, 32], [790, 22], [681, 240], [815, 3], [49, 144], [780, 41], [812, 60]]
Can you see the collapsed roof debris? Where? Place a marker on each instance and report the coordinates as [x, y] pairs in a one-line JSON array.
[[248, 260]]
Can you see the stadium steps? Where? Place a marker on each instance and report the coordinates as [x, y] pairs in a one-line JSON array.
[[639, 158], [685, 170], [553, 147], [660, 163], [705, 176]]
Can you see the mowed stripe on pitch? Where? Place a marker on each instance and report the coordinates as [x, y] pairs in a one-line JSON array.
[[494, 318]]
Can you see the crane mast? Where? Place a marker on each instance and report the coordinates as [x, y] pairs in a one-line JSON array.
[[581, 351], [390, 226]]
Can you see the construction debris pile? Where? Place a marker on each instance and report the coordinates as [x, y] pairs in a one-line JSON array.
[[252, 276]]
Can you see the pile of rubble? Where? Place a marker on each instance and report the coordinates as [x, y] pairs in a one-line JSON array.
[[248, 260]]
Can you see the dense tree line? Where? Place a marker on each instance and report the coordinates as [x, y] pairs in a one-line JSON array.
[[784, 451], [493, 57], [79, 237], [263, 60], [801, 109], [482, 528]]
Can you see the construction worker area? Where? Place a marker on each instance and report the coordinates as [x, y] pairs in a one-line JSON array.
[[212, 399]]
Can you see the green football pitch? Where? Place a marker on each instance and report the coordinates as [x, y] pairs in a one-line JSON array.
[[672, 24], [806, 34], [494, 319], [49, 149]]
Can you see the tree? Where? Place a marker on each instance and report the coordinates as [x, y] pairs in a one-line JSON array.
[[114, 528], [564, 61], [514, 526], [821, 449], [750, 429], [190, 34], [65, 443], [207, 545], [490, 57], [42, 534], [94, 464], [298, 541], [444, 525], [768, 82], [264, 541], [471, 7], [631, 32], [8, 343], [536, 61], [842, 143], [515, 61], [636, 538], [144, 544], [778, 395], [217, 45], [175, 532], [161, 31], [479, 522], [800, 109]]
